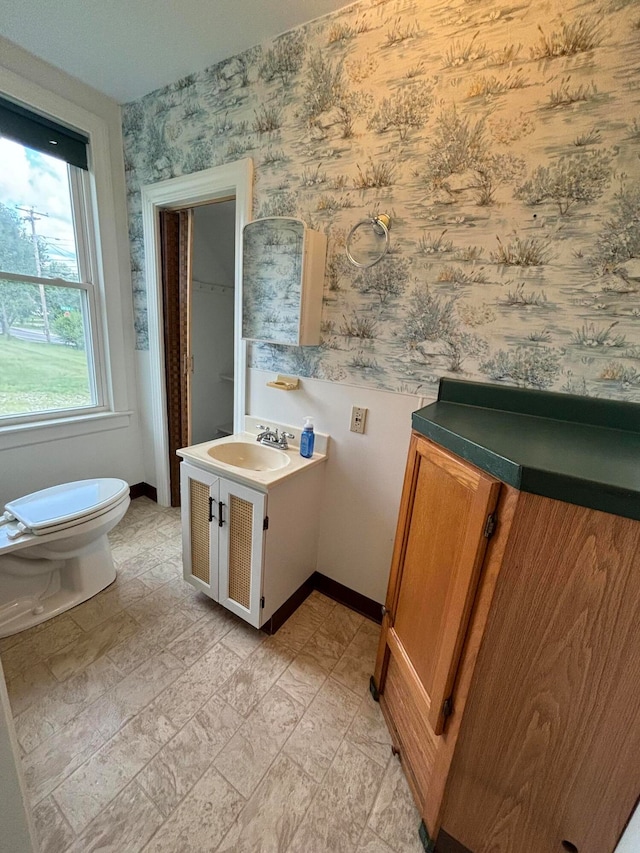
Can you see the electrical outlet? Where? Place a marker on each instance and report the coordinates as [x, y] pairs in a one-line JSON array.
[[358, 419]]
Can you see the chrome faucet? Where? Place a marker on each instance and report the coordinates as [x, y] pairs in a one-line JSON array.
[[271, 438]]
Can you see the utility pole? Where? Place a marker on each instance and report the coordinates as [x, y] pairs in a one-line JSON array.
[[31, 217]]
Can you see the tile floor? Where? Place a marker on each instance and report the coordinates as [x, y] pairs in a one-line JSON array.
[[150, 719]]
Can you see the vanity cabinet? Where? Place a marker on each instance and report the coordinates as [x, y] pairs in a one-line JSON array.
[[509, 662], [222, 540], [250, 549], [282, 280]]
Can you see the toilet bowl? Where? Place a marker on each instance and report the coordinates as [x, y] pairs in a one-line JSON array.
[[54, 550]]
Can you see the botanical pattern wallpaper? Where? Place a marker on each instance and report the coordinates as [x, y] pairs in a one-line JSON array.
[[502, 138]]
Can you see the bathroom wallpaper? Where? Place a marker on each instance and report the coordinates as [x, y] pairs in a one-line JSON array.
[[502, 138]]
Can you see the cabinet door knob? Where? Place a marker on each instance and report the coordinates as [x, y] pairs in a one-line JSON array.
[[384, 611]]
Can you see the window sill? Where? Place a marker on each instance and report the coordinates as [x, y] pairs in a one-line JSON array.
[[21, 435]]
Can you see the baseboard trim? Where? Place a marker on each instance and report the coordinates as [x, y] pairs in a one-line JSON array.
[[332, 589], [446, 843], [143, 490], [290, 606], [349, 597]]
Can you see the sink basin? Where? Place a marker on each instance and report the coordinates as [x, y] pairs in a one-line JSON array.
[[253, 457]]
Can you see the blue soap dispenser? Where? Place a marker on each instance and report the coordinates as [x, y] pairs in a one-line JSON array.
[[307, 439]]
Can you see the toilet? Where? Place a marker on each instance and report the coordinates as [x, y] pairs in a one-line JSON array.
[[54, 550]]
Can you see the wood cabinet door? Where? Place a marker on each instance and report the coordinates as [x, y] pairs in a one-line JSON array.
[[439, 549]]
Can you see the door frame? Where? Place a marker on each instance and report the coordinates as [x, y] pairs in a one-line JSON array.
[[209, 185]]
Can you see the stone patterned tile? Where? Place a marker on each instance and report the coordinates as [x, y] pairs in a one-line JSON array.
[[121, 552], [126, 824], [196, 685], [271, 817], [70, 697], [317, 736], [370, 843], [63, 701], [243, 639], [149, 640], [202, 818], [343, 623], [163, 572], [298, 735], [52, 830], [164, 600], [300, 627], [329, 642], [58, 756], [137, 565], [28, 687], [7, 642], [56, 634], [32, 728], [77, 656], [321, 603], [394, 817], [356, 666], [121, 703], [303, 678], [368, 731], [107, 603], [180, 764], [208, 631], [84, 794], [256, 675], [339, 811], [249, 753]]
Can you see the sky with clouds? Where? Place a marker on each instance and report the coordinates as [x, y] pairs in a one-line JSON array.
[[29, 178]]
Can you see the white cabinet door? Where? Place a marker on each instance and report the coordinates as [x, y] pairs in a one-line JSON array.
[[241, 549], [199, 492]]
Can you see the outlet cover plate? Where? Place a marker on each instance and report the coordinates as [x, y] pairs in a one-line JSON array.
[[358, 419]]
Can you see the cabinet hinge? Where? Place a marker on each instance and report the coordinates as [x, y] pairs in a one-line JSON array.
[[447, 708], [265, 523], [262, 602], [490, 526]]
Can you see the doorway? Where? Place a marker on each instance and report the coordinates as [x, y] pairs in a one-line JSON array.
[[198, 285], [200, 188]]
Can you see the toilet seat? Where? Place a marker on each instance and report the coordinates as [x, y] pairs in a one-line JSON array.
[[60, 507]]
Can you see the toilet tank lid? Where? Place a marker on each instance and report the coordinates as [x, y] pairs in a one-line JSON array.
[[67, 501]]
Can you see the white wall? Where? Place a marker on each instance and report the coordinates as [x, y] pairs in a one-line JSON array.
[[110, 452], [16, 830], [212, 318], [364, 472]]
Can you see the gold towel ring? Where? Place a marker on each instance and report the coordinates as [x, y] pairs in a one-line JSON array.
[[381, 225]]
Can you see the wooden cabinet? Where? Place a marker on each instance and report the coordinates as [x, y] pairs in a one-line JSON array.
[[222, 540], [282, 281], [508, 667], [248, 549]]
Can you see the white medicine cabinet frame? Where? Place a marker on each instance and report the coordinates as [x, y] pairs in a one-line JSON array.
[[283, 276], [223, 540]]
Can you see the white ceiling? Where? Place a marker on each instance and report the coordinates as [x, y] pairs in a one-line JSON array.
[[126, 48]]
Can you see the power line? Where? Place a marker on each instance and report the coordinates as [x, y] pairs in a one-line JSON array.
[[32, 216]]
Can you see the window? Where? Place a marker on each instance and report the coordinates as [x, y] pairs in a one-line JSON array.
[[50, 342]]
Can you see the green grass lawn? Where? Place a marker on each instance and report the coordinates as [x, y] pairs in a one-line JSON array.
[[36, 377]]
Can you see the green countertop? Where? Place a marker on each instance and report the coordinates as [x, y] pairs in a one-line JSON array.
[[575, 449]]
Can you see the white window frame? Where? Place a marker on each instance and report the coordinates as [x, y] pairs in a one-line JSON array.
[[106, 256]]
